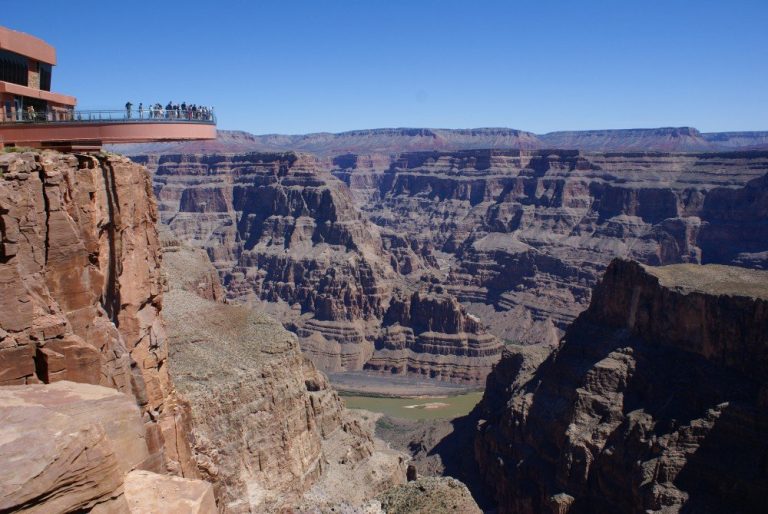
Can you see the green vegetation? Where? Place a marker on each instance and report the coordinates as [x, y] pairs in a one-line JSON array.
[[383, 423], [433, 407]]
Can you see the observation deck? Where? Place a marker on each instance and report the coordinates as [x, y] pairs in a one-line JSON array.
[[32, 115], [87, 129]]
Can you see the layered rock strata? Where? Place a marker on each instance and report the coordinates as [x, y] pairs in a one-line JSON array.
[[431, 335], [80, 287], [655, 400], [267, 427], [520, 237], [286, 235]]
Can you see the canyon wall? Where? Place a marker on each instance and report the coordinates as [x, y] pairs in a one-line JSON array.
[[285, 235], [522, 236], [654, 401], [267, 427], [80, 323], [92, 416], [81, 286]]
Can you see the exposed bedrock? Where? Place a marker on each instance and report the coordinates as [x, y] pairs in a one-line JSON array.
[[654, 401], [72, 447], [267, 427], [429, 495], [286, 235], [81, 287], [522, 236], [431, 335]]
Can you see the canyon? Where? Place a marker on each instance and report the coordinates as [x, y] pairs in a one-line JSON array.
[[591, 407], [522, 236], [284, 432], [423, 264], [165, 325], [287, 238]]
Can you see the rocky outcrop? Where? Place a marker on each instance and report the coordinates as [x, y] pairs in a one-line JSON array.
[[285, 235], [67, 446], [655, 400], [80, 287], [149, 492], [73, 447], [429, 495], [283, 431]]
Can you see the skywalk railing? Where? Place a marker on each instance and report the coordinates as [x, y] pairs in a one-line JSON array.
[[112, 116]]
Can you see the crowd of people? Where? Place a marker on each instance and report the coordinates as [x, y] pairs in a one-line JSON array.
[[171, 111]]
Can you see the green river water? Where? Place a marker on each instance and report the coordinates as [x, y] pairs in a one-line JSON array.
[[446, 407]]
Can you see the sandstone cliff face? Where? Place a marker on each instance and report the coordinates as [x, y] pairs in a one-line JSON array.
[[655, 400], [267, 427], [80, 288], [286, 235], [71, 447], [521, 237]]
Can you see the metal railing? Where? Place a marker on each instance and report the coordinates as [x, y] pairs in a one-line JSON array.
[[122, 116]]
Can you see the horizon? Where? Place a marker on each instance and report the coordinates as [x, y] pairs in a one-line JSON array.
[[301, 67], [372, 129]]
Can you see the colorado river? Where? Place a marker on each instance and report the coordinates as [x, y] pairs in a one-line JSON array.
[[432, 407]]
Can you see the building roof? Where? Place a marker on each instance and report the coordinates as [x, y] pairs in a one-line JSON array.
[[29, 46], [15, 89]]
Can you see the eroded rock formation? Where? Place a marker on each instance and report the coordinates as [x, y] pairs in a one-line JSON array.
[[522, 236], [67, 446], [80, 287], [518, 237], [655, 400], [267, 427], [73, 447], [286, 235], [430, 334]]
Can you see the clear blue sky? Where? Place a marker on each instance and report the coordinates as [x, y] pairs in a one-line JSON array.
[[306, 66]]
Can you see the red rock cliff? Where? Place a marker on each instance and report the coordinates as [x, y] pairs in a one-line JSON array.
[[81, 288]]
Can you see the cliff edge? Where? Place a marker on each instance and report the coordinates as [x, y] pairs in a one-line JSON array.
[[80, 302], [654, 401]]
